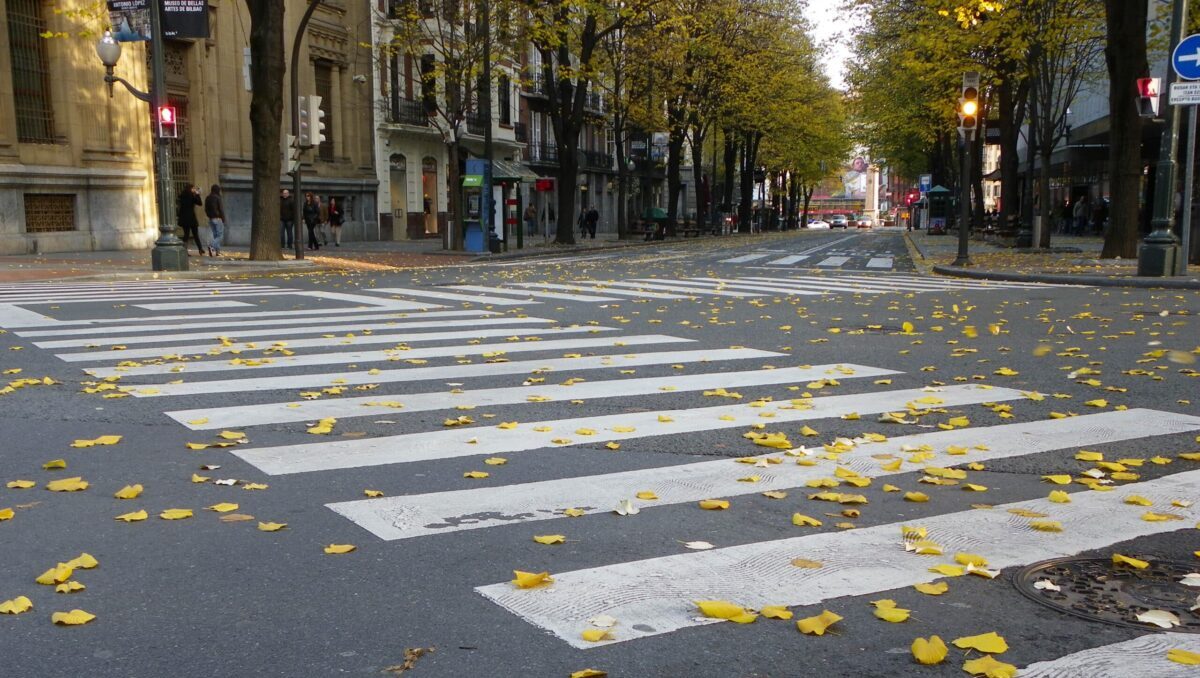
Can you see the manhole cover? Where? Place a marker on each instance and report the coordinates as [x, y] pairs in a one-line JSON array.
[[1095, 589]]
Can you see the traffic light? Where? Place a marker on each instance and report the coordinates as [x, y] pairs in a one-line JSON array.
[[316, 120], [968, 103], [293, 153], [305, 124], [167, 123], [1148, 97]]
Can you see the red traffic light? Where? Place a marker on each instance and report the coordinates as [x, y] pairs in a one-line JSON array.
[[1147, 87], [166, 114], [167, 122]]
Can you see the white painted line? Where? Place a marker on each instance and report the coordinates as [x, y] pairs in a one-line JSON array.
[[394, 335], [746, 257], [725, 283], [178, 286], [880, 262], [535, 295], [283, 329], [655, 284], [656, 594], [192, 306], [239, 416], [394, 355], [1143, 656], [443, 372], [122, 297], [451, 296], [597, 287], [12, 315], [818, 248], [450, 443], [835, 284], [404, 517], [833, 262], [787, 261]]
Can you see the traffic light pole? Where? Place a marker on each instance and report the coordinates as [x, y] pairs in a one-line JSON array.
[[964, 208], [294, 67], [169, 253], [1160, 250]]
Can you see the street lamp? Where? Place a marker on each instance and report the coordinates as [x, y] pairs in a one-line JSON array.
[[169, 253]]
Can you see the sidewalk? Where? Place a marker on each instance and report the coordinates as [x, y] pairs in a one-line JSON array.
[[1070, 259]]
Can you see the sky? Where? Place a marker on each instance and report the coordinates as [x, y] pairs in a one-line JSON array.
[[831, 31]]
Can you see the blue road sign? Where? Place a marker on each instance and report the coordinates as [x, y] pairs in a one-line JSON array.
[[926, 183], [1186, 58]]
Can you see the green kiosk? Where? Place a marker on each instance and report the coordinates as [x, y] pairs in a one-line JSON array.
[[939, 209]]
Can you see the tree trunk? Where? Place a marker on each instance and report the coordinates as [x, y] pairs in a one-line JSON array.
[[455, 227], [1012, 116], [703, 194], [674, 178], [1047, 211], [745, 186], [568, 170], [977, 215], [806, 193], [266, 117], [730, 162], [1125, 55]]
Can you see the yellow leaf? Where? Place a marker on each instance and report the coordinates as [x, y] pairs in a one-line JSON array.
[[597, 635], [948, 570], [175, 514], [929, 651], [818, 624], [129, 492], [1175, 654], [714, 504], [573, 512], [1137, 500], [647, 495], [72, 618], [495, 461], [1060, 497], [1152, 517], [894, 615], [590, 673], [67, 485], [974, 488], [254, 486], [988, 643], [20, 484], [271, 527], [507, 425], [55, 575], [528, 580], [338, 549], [84, 561], [1119, 559], [1058, 479], [933, 589], [1084, 455], [16, 605], [613, 446], [1046, 525], [476, 474], [232, 435], [133, 517], [54, 464], [196, 478], [197, 446], [69, 587], [223, 507], [801, 520], [989, 667], [550, 539], [1098, 402], [775, 494], [776, 612], [1006, 372], [102, 440], [808, 432], [6, 514], [720, 609], [916, 497], [373, 494], [890, 488]]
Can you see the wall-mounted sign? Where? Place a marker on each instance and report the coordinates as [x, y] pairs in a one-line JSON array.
[[181, 19]]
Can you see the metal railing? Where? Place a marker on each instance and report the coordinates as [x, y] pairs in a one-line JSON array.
[[478, 122], [408, 112], [597, 160], [520, 132], [546, 154]]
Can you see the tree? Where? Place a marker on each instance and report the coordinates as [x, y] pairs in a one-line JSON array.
[[266, 116], [1125, 56]]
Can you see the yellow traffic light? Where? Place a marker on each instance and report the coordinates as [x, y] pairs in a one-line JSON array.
[[970, 107]]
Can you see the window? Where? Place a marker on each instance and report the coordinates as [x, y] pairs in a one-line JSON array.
[[324, 86], [504, 100], [30, 71], [49, 213], [428, 82]]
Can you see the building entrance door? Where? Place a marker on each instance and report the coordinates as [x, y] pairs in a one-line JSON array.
[[429, 193]]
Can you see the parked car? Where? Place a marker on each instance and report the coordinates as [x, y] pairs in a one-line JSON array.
[[839, 221], [862, 221], [816, 223]]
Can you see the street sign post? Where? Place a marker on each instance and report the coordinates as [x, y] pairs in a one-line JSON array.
[[925, 183], [1185, 61]]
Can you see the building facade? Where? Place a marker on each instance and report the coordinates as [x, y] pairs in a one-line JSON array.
[[76, 166]]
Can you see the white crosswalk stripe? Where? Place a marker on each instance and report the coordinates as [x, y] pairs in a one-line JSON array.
[[880, 262], [451, 296], [746, 257], [1144, 656], [832, 262], [788, 260]]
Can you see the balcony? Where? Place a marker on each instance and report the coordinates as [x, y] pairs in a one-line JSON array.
[[408, 112], [597, 160], [520, 132], [545, 154], [535, 85], [478, 123]]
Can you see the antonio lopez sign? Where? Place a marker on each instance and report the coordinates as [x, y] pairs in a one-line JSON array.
[[181, 19]]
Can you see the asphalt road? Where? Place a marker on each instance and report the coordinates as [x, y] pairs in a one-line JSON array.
[[551, 363]]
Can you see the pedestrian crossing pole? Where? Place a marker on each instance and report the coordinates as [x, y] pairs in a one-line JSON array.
[[968, 122]]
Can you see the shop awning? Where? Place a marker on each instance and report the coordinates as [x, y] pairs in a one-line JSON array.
[[507, 170]]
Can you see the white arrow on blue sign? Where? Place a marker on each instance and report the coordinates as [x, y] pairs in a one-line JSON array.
[[1186, 58]]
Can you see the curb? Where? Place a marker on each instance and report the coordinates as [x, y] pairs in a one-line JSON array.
[[916, 254], [1065, 279]]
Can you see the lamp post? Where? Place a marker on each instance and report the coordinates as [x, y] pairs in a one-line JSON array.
[[169, 253]]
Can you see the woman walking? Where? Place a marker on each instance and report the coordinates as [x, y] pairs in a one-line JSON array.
[[189, 200], [336, 218], [214, 209], [312, 216]]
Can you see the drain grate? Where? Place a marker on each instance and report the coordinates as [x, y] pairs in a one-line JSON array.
[[1097, 590]]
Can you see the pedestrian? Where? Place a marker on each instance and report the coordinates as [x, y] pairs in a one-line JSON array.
[[214, 209], [287, 219], [591, 220], [1064, 225], [581, 222], [189, 200], [336, 218], [312, 217], [1081, 212], [322, 219], [531, 219]]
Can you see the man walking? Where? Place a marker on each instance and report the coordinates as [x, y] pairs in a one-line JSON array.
[[214, 209], [590, 220], [1081, 213], [287, 219]]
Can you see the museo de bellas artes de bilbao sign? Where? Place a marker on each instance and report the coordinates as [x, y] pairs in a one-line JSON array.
[[181, 19]]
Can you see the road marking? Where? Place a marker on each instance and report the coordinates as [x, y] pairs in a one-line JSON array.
[[1142, 656], [536, 295], [443, 372], [723, 283], [598, 288], [833, 262], [787, 261], [192, 306], [105, 297], [451, 296], [471, 441], [657, 284], [655, 595], [394, 335], [404, 517], [880, 262], [239, 416], [746, 257], [280, 362]]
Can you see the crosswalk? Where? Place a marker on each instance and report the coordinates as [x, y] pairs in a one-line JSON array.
[[880, 261], [283, 372]]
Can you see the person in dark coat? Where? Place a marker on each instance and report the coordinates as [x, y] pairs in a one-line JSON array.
[[336, 218], [287, 219], [189, 200], [214, 209], [312, 217]]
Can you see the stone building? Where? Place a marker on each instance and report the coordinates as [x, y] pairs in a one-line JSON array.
[[75, 164]]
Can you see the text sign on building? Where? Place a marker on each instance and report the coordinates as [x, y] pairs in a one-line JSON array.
[[1185, 93], [181, 19]]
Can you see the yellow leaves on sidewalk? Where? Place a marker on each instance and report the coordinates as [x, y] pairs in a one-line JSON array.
[[56, 575], [1062, 479], [918, 497], [373, 494], [596, 635], [929, 651], [720, 609], [338, 549], [271, 527], [476, 474], [1060, 497], [932, 589], [18, 605], [1119, 559], [54, 465], [175, 514], [549, 539], [133, 517], [323, 427], [69, 587], [102, 440], [1175, 654], [20, 484], [529, 580], [801, 520], [223, 507], [988, 643], [714, 504], [72, 618], [75, 484], [887, 611], [129, 492], [819, 624]]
